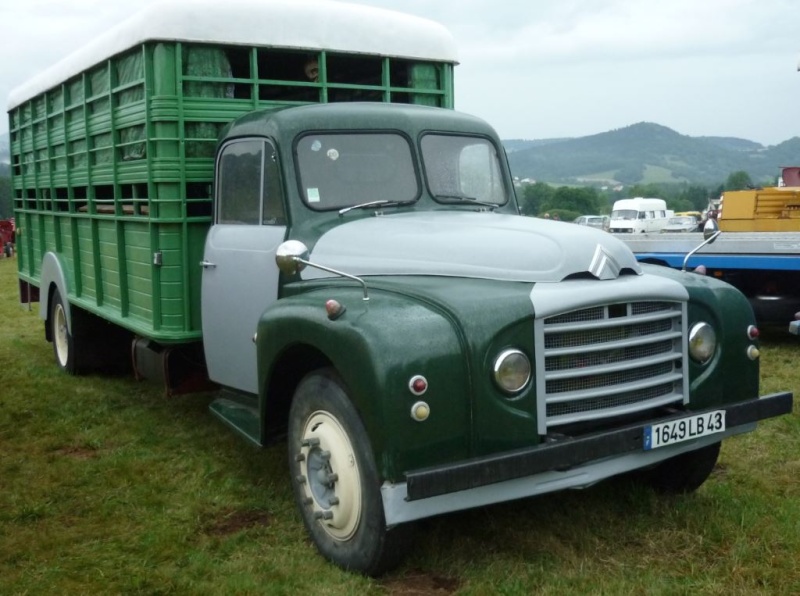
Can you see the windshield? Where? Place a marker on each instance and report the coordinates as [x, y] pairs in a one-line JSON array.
[[624, 214], [462, 167], [339, 170]]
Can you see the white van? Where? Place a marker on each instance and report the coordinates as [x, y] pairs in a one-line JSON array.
[[639, 215]]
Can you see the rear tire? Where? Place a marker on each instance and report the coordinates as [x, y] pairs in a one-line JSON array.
[[88, 343], [683, 473], [63, 341], [335, 480]]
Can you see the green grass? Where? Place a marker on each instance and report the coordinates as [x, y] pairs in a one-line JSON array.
[[107, 486]]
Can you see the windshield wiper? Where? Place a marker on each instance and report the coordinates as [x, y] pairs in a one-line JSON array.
[[464, 199], [369, 204]]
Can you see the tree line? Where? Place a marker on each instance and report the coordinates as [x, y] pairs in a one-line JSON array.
[[569, 202]]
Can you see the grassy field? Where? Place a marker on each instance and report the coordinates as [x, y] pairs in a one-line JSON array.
[[107, 486]]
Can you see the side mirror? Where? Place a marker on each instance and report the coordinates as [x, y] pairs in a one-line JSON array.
[[711, 230], [291, 257]]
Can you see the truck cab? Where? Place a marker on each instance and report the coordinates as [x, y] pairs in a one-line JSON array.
[[424, 348]]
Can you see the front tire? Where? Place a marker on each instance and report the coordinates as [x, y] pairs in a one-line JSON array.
[[684, 473], [335, 480]]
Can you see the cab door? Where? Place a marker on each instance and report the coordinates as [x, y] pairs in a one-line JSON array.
[[240, 278]]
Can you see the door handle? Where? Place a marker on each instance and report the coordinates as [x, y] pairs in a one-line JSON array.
[[207, 264]]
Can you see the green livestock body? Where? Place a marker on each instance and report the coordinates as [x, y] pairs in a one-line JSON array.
[[113, 169]]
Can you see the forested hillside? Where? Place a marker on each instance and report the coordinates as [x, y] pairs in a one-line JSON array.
[[647, 153]]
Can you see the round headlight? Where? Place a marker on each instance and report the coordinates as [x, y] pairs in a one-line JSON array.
[[702, 342], [512, 371]]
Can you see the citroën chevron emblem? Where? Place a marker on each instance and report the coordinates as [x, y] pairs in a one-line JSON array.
[[603, 265]]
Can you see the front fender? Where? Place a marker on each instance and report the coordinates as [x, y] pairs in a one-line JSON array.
[[730, 376], [376, 347]]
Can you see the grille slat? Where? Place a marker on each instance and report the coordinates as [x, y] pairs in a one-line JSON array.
[[605, 361], [676, 335], [616, 366], [644, 385]]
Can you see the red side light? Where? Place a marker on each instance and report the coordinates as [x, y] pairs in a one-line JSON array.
[[752, 332], [334, 309], [418, 385]]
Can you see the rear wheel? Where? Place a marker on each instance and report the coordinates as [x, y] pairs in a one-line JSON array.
[[63, 341], [335, 479], [683, 473]]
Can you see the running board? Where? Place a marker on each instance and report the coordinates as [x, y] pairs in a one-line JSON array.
[[241, 414]]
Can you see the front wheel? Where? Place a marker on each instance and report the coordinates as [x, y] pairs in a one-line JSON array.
[[335, 479], [683, 473]]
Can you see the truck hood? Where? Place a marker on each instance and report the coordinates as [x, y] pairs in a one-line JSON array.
[[467, 244]]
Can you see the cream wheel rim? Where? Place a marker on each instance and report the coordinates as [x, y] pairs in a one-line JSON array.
[[61, 334], [330, 475]]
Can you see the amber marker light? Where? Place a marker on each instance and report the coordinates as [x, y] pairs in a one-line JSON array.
[[420, 411], [753, 353]]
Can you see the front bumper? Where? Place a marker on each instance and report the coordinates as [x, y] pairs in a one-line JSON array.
[[570, 452], [548, 467]]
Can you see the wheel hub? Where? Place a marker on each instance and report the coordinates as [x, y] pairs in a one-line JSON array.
[[330, 476]]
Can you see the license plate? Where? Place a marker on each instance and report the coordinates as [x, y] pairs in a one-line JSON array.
[[683, 429]]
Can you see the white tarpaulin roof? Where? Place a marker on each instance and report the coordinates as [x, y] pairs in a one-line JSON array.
[[307, 24]]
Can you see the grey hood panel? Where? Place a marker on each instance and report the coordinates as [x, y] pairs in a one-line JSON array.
[[468, 244]]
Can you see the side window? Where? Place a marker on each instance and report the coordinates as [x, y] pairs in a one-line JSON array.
[[248, 184]]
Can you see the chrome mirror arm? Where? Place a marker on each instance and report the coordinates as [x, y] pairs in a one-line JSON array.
[[336, 272], [694, 250], [710, 232]]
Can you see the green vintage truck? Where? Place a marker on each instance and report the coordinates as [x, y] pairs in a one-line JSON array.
[[297, 206]]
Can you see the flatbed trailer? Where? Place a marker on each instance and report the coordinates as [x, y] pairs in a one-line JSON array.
[[765, 266]]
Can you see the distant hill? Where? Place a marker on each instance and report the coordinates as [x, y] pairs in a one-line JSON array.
[[647, 153]]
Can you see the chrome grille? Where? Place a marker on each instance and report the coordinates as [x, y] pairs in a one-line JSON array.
[[609, 360]]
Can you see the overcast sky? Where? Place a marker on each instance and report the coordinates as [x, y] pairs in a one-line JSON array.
[[545, 68]]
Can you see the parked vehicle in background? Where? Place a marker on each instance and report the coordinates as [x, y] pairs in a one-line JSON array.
[[758, 251], [354, 273], [639, 215], [685, 223], [601, 222], [7, 237]]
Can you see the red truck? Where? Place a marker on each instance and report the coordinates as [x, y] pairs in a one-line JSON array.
[[7, 236]]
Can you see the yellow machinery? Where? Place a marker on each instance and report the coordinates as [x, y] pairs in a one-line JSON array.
[[770, 209]]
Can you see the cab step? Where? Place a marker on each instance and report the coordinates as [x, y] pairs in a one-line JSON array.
[[241, 413]]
